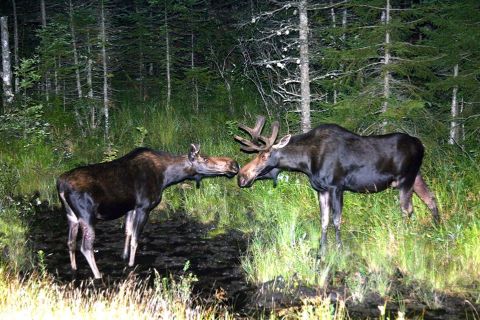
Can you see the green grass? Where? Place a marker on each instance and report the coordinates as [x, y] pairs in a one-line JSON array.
[[13, 240], [377, 242]]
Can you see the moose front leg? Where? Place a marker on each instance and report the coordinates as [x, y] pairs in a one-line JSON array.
[[324, 202], [139, 221]]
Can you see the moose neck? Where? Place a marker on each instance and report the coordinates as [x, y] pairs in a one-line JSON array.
[[293, 158], [177, 170]]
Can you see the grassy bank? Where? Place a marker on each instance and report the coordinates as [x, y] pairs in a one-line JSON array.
[[40, 297], [283, 223]]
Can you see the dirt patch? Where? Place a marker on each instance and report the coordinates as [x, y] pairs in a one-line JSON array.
[[167, 245]]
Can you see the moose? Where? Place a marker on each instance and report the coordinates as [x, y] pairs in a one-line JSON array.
[[129, 186], [337, 160]]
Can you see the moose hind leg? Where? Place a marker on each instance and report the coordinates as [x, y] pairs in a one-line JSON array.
[[72, 242], [421, 189], [337, 206], [128, 233], [324, 201], [88, 234], [72, 231]]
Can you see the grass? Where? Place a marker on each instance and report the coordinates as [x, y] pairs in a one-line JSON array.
[[40, 297], [283, 223], [13, 239], [377, 243]]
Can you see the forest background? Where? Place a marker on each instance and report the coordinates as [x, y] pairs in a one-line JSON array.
[[87, 81]]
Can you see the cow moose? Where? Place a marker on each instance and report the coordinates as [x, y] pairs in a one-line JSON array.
[[337, 160], [131, 185]]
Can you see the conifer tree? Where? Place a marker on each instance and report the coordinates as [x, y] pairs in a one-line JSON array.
[[452, 30]]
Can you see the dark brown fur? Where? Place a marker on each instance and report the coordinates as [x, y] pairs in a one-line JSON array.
[[131, 185]]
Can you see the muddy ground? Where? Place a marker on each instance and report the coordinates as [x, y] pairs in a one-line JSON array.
[[166, 245]]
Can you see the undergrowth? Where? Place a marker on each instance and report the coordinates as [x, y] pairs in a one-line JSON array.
[[283, 223]]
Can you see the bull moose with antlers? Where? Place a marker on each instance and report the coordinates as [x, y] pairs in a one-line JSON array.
[[337, 160], [130, 186]]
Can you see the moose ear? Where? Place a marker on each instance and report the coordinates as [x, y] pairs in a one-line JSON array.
[[194, 150], [283, 142]]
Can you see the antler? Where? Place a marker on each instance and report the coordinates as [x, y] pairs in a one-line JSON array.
[[271, 140], [255, 131], [254, 144]]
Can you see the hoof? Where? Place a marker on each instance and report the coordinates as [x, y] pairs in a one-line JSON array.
[[99, 283], [321, 254]]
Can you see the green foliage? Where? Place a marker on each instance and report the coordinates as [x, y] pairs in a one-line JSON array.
[[28, 72], [13, 239], [141, 133], [111, 153], [9, 178], [25, 122], [176, 290], [13, 232]]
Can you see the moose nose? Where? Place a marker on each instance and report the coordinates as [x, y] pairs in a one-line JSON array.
[[235, 167], [242, 181]]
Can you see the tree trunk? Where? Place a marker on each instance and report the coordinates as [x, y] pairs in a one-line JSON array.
[[93, 108], [231, 110], [387, 75], [304, 67], [77, 69], [15, 45], [55, 76], [89, 68], [6, 65], [75, 53], [194, 80], [334, 25], [461, 134], [141, 63], [141, 71], [43, 13], [167, 59], [454, 130], [47, 72], [106, 100], [64, 95], [333, 15]]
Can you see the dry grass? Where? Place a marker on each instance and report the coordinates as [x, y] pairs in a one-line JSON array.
[[37, 297]]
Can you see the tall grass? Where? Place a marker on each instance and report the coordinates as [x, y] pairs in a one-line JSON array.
[[13, 240], [282, 223], [378, 244], [40, 297]]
